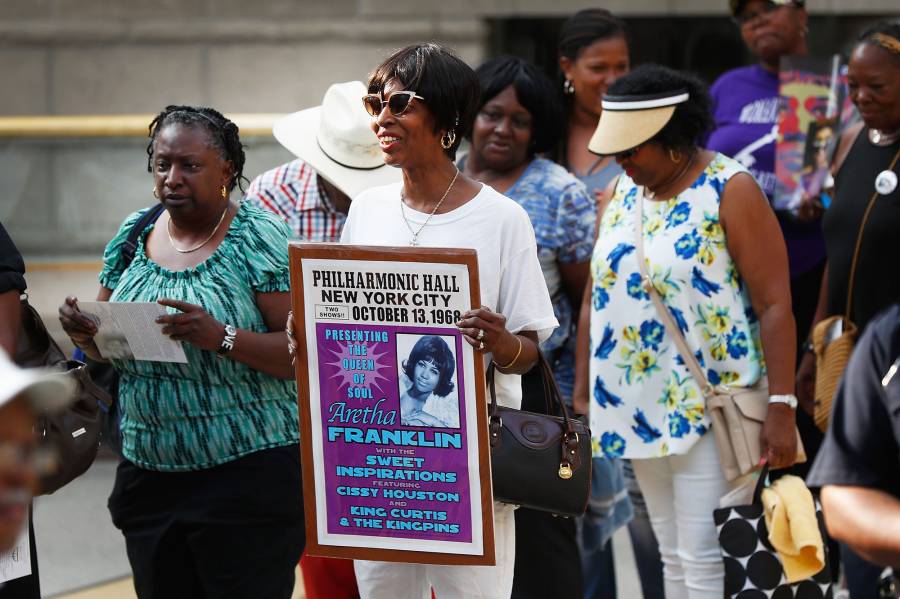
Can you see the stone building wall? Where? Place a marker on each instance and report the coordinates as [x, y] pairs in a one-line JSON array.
[[65, 197], [133, 56]]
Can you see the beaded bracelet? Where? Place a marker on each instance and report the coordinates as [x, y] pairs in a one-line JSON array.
[[518, 353]]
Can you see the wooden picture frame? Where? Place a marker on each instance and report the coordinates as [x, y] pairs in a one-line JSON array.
[[356, 309]]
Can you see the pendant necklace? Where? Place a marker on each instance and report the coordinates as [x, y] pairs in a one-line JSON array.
[[886, 180], [415, 234], [196, 247], [881, 138]]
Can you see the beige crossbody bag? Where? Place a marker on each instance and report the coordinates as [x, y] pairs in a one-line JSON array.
[[737, 413]]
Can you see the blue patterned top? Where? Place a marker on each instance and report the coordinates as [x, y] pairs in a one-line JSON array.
[[563, 215], [644, 401], [210, 410]]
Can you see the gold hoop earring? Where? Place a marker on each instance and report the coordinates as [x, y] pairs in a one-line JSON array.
[[448, 139], [224, 193], [675, 156], [155, 195]]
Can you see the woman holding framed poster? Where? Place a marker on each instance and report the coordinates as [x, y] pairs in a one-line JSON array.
[[423, 100]]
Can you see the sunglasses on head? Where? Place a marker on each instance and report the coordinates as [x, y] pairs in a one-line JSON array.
[[397, 102]]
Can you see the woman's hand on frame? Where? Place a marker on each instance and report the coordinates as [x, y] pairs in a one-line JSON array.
[[485, 330]]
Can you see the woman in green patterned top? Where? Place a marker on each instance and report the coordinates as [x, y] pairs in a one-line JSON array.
[[209, 493]]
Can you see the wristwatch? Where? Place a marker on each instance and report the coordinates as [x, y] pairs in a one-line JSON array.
[[790, 400], [228, 341]]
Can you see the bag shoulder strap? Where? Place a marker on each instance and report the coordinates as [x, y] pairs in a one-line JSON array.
[[129, 246], [672, 327], [859, 238]]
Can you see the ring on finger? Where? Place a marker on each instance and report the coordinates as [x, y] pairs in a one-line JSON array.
[[480, 334], [481, 345]]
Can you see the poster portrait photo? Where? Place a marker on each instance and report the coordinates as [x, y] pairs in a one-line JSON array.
[[427, 382]]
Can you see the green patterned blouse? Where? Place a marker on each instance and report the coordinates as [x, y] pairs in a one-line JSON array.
[[178, 417]]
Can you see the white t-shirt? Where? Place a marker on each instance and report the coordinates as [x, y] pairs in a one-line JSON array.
[[497, 228]]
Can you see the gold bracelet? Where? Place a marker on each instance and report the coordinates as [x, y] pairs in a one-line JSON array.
[[518, 353]]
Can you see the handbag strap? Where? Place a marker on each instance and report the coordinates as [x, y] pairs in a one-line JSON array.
[[129, 246], [672, 327], [760, 484], [859, 238], [552, 396]]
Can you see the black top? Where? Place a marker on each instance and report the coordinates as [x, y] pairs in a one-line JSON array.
[[12, 268], [878, 268], [862, 447]]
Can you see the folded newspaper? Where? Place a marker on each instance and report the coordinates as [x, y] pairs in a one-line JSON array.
[[16, 562], [129, 331]]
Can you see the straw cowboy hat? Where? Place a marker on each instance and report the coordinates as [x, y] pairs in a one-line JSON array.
[[336, 139], [45, 390], [628, 121]]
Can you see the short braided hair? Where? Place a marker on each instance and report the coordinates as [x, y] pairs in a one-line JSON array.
[[223, 135], [885, 35]]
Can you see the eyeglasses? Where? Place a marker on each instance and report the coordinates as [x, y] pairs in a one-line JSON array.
[[397, 102], [626, 154], [746, 17]]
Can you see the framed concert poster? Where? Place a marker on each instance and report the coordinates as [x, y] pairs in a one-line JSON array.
[[393, 419]]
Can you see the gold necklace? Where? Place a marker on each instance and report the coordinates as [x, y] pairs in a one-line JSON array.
[[687, 163], [196, 247], [415, 234]]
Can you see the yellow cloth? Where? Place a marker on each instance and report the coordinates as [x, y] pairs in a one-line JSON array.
[[793, 528]]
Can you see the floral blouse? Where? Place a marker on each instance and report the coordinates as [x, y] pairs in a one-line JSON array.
[[644, 401]]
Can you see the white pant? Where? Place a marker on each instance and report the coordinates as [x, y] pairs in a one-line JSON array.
[[393, 580], [681, 492]]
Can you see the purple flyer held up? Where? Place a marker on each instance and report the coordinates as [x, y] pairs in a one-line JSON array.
[[398, 469]]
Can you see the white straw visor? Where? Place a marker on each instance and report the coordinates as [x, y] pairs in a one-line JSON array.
[[636, 103], [628, 121]]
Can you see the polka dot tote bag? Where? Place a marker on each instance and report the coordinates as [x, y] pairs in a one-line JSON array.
[[752, 567]]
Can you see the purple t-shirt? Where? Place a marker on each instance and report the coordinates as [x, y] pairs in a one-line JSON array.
[[745, 111]]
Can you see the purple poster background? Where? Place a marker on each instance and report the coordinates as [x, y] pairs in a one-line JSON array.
[[375, 486]]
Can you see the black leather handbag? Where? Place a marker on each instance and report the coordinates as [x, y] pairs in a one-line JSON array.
[[73, 433], [540, 461]]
